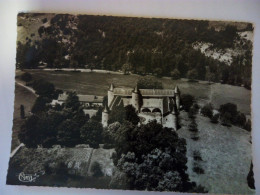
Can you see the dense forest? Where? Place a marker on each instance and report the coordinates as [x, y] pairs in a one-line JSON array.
[[161, 47]]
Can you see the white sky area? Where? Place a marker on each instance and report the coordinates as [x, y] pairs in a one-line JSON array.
[[234, 10]]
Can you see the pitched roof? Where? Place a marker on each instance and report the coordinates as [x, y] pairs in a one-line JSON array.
[[83, 98], [144, 92]]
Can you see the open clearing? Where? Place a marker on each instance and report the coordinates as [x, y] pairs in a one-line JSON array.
[[225, 152], [98, 84]]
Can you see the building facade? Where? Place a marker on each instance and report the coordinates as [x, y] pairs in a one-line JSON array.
[[162, 105]]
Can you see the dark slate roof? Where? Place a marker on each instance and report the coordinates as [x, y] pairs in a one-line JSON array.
[[144, 92], [83, 98]]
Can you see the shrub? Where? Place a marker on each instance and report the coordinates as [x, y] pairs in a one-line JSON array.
[[198, 170], [96, 169], [187, 101], [197, 155], [207, 110], [195, 137], [193, 126]]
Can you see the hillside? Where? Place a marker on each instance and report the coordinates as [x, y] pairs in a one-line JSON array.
[[216, 51], [226, 156]]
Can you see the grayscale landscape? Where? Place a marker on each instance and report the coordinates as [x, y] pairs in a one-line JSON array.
[[132, 103]]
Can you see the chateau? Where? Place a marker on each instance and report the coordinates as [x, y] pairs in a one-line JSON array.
[[162, 105]]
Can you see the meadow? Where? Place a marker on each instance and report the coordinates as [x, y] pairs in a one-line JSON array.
[[98, 84], [226, 154]]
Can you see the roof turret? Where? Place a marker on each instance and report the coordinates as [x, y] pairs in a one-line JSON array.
[[105, 109], [111, 87], [176, 90], [136, 89]]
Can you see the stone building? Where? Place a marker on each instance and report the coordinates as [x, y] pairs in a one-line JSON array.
[[162, 105]]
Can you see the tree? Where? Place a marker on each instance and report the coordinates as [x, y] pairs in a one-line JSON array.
[[130, 115], [91, 133], [175, 74], [187, 101], [192, 74], [98, 115], [72, 101], [96, 169], [22, 114], [207, 110], [158, 170], [28, 133], [27, 77], [68, 133], [229, 113], [250, 177], [193, 126], [43, 88], [40, 105], [240, 120], [118, 114], [126, 68], [226, 119], [47, 128], [193, 111]]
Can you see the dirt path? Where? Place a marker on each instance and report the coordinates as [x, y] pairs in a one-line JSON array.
[[26, 87]]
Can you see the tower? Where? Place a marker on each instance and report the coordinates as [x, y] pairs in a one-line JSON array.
[[110, 94], [136, 99], [177, 98], [174, 117], [105, 116]]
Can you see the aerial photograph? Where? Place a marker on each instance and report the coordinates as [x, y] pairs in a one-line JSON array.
[[131, 103]]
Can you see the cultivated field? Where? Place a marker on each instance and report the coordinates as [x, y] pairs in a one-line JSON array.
[[225, 152], [98, 84]]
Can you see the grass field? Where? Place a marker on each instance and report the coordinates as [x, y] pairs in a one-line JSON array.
[[225, 152], [26, 98], [98, 84]]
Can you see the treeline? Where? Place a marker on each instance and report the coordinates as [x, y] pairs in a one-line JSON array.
[[161, 47], [227, 114]]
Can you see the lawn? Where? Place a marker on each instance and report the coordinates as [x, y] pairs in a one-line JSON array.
[[225, 152], [98, 84], [26, 98]]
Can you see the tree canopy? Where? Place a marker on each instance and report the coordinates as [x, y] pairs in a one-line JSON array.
[[144, 46]]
